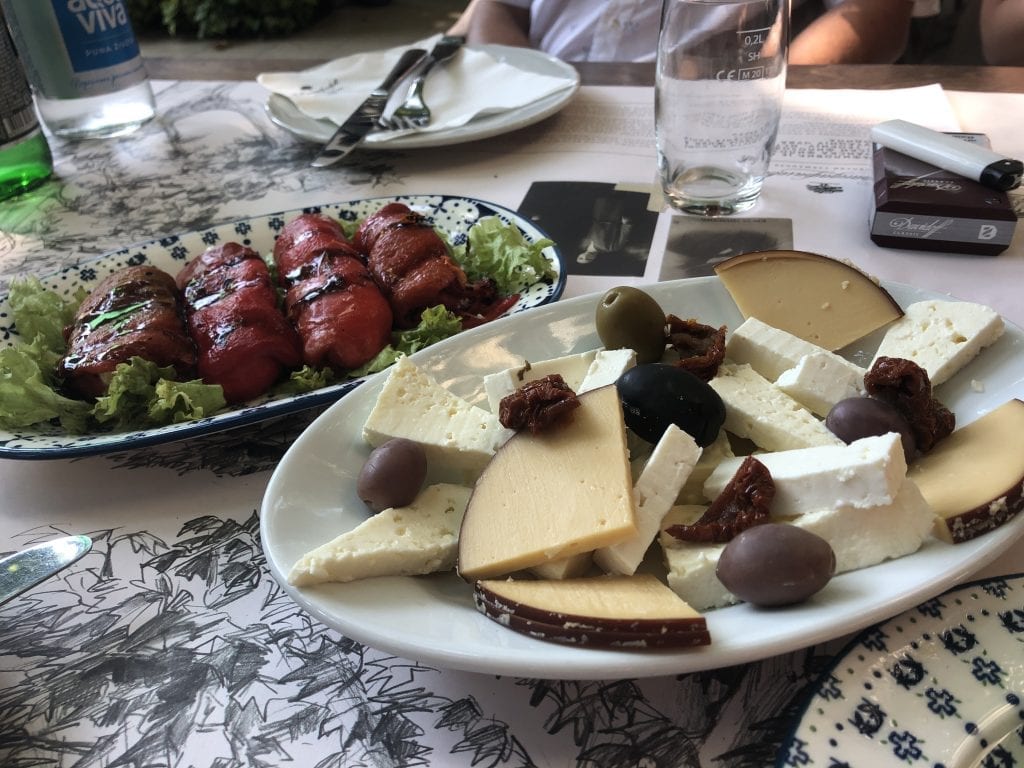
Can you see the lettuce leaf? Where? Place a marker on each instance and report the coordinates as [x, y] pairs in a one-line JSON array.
[[500, 251], [143, 394], [27, 394]]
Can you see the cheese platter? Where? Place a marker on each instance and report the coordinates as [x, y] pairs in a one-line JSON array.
[[310, 501]]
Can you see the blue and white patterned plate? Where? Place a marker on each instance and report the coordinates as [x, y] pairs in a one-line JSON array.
[[452, 214], [939, 686]]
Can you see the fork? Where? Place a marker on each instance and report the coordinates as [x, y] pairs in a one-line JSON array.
[[413, 112]]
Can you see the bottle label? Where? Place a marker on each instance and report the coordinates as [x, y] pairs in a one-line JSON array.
[[97, 33], [75, 48], [17, 115]]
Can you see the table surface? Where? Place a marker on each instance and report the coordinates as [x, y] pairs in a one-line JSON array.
[[170, 644]]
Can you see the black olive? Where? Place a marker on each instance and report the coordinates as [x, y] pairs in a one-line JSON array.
[[658, 394], [857, 417]]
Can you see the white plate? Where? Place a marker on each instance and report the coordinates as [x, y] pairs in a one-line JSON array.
[[455, 215], [311, 498], [283, 112], [939, 685]]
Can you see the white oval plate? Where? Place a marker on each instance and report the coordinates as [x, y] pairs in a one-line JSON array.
[[939, 685], [311, 498], [452, 214], [283, 112]]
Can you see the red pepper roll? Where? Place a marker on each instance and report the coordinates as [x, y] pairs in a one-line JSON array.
[[410, 262], [243, 339], [304, 239], [135, 312], [341, 315]]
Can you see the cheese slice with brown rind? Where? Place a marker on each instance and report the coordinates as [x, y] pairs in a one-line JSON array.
[[824, 301], [974, 479]]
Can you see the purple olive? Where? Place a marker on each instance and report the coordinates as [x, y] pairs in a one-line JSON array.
[[858, 417], [776, 564], [392, 475]]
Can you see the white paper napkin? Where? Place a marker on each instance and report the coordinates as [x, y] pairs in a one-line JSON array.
[[471, 84]]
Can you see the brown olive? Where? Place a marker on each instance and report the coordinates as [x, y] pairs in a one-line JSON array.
[[392, 475], [628, 318], [776, 564]]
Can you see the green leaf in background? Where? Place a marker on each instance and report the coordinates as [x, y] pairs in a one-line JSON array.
[[500, 251], [226, 18]]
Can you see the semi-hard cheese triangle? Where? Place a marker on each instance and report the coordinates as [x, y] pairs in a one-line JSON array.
[[974, 479], [822, 300], [551, 495]]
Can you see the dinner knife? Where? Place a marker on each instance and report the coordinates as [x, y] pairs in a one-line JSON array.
[[27, 568], [365, 118]]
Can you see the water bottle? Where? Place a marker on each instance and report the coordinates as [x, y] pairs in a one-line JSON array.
[[25, 160], [83, 62]]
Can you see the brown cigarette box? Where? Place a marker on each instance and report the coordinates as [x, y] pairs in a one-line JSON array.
[[922, 207]]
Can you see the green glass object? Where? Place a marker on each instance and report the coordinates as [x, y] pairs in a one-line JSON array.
[[25, 160]]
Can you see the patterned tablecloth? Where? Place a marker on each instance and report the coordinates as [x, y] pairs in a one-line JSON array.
[[171, 645]]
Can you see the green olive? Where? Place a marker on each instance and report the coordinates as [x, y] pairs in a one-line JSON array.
[[628, 318]]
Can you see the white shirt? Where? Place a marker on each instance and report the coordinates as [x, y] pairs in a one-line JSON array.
[[608, 30]]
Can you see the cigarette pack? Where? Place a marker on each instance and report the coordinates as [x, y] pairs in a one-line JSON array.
[[921, 207]]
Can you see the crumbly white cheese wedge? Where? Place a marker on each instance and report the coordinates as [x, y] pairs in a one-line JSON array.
[[818, 382], [758, 410], [405, 541], [866, 473], [771, 351], [858, 537], [710, 458], [941, 336], [654, 494], [608, 366], [691, 567], [454, 433], [572, 369], [565, 568]]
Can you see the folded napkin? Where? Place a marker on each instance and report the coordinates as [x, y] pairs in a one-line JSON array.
[[471, 84]]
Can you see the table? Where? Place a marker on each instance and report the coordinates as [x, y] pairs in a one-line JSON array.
[[169, 644]]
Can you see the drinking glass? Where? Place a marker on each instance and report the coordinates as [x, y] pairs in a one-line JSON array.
[[721, 74]]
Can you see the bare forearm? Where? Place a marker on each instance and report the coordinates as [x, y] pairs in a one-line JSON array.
[[857, 32], [490, 21], [1002, 31]]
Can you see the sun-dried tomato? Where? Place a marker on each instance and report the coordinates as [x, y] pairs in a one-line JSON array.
[[538, 405], [701, 348], [905, 385], [743, 503]]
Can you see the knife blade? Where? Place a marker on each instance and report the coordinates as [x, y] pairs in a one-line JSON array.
[[365, 118], [27, 568]]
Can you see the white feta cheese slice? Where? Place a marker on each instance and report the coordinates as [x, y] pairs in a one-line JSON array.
[[770, 351], [454, 433], [572, 369], [690, 566], [863, 537], [653, 496], [758, 410], [866, 473], [941, 336], [607, 367], [710, 457], [818, 381], [564, 568], [405, 541], [858, 537]]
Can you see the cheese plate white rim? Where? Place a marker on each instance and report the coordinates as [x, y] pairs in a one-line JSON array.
[[285, 114], [941, 679], [453, 214], [311, 498]]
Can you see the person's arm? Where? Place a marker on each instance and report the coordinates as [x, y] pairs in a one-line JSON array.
[[856, 32], [1002, 30], [491, 21]]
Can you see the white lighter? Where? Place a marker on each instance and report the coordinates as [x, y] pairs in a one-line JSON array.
[[950, 153]]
